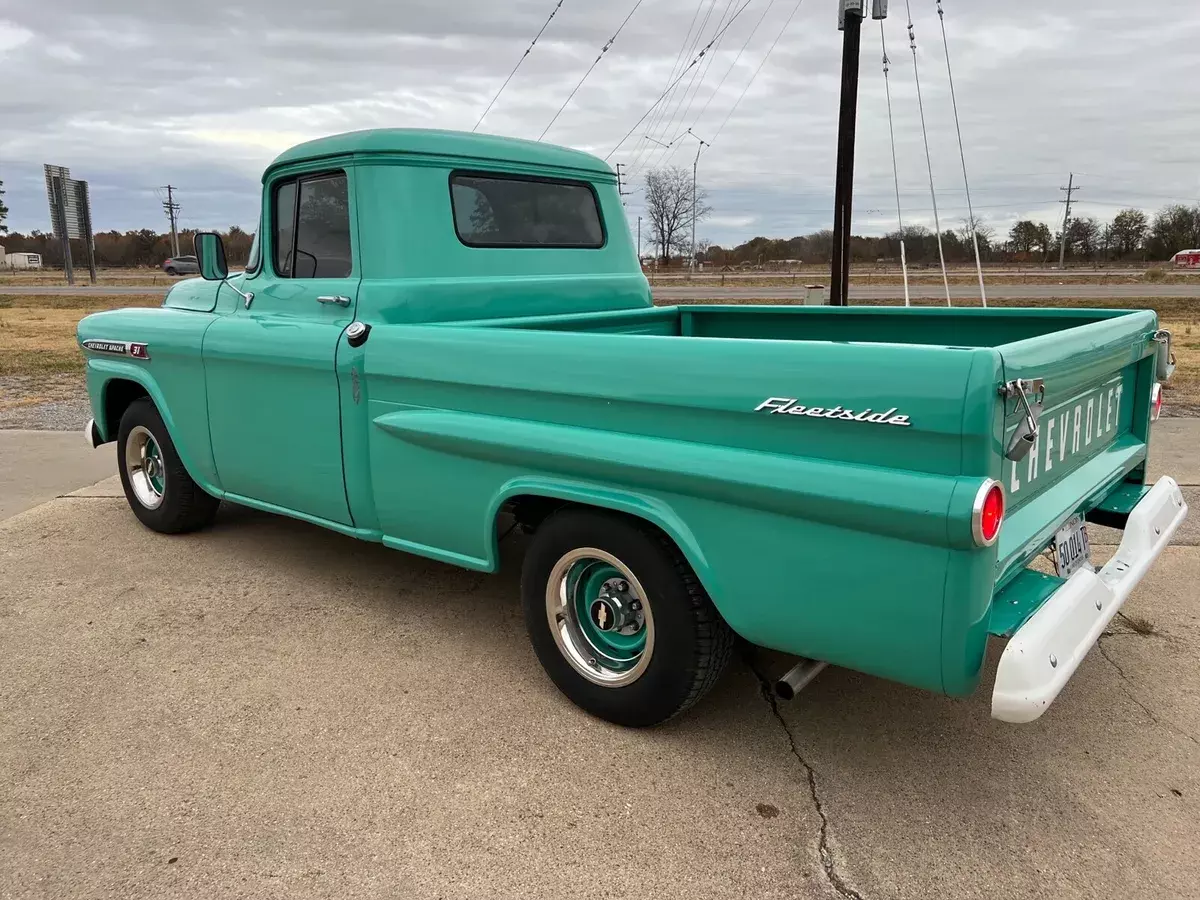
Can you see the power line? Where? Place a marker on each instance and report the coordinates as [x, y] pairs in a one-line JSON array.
[[762, 63], [887, 87], [962, 154], [595, 63], [676, 118], [528, 50], [687, 47], [733, 65], [700, 83], [694, 61], [937, 224]]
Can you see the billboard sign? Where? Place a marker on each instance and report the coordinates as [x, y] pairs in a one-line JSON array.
[[69, 197]]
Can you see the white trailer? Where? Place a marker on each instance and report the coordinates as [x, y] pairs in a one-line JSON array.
[[23, 260]]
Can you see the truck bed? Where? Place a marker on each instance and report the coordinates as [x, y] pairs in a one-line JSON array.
[[926, 326], [686, 428]]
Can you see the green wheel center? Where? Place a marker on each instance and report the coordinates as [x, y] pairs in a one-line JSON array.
[[154, 465], [591, 583]]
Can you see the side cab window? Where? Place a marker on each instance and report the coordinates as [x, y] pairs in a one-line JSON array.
[[254, 261], [311, 227]]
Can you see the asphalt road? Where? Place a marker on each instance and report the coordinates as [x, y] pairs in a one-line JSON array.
[[267, 709], [874, 292]]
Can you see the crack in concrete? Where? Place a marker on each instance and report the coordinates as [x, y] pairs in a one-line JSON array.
[[1126, 681], [827, 862]]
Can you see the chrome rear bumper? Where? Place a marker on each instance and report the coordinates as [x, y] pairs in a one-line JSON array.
[[1045, 651]]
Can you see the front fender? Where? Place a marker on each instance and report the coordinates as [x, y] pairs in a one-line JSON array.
[[195, 451]]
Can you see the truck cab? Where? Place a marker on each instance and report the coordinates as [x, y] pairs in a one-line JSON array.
[[441, 336]]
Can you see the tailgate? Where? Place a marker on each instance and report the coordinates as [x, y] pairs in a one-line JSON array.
[[1092, 432]]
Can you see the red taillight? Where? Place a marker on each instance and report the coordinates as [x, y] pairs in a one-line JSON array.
[[1156, 402], [988, 514]]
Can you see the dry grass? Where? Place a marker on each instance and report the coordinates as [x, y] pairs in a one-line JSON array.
[[1182, 392], [37, 334]]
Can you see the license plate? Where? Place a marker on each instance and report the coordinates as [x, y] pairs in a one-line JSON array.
[[1072, 551]]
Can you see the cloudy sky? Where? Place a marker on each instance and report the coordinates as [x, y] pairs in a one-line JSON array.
[[132, 95]]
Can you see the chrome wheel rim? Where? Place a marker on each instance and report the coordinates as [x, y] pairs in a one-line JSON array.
[[144, 466], [600, 617]]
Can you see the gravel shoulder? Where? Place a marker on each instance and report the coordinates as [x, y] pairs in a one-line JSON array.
[[44, 402]]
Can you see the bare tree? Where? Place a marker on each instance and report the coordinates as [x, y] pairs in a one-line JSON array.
[[669, 208], [985, 234]]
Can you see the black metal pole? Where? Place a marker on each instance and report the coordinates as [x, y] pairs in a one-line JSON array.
[[58, 184], [839, 293]]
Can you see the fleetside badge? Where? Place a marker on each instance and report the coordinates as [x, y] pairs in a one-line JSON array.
[[790, 407]]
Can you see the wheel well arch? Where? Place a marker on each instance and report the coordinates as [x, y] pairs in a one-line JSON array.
[[119, 393], [527, 505]]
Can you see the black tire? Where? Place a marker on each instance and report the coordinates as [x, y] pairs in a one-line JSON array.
[[184, 505], [692, 643], [172, 272]]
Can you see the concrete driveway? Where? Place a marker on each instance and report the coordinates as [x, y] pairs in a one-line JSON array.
[[36, 466], [270, 710]]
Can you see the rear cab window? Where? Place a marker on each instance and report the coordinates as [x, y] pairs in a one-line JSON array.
[[493, 210], [312, 227]]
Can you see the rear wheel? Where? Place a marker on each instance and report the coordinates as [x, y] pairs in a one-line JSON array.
[[618, 619], [172, 271], [158, 488]]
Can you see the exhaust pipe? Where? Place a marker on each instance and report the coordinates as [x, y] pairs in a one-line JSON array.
[[798, 678]]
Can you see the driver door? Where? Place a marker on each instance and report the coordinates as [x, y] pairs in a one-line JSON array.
[[269, 366]]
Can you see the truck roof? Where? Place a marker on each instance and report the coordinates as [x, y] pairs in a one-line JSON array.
[[431, 142]]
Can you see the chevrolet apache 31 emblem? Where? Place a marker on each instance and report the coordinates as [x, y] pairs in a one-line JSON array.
[[788, 406], [118, 348]]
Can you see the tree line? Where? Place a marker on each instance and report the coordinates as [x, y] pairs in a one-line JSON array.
[[129, 249], [1131, 236]]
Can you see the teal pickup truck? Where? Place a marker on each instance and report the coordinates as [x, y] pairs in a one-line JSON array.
[[441, 336]]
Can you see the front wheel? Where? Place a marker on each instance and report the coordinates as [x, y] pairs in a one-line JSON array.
[[618, 619], [158, 488]]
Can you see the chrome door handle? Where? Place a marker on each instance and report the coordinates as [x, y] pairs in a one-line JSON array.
[[339, 301]]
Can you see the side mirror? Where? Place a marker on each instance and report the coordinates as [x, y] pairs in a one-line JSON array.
[[210, 255]]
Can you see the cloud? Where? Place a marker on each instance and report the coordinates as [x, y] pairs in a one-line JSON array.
[[132, 100]]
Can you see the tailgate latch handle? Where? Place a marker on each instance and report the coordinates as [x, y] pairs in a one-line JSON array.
[[1165, 364], [1025, 437]]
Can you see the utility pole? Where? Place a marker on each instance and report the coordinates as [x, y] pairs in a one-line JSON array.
[[172, 210], [850, 18], [639, 241], [1070, 190], [695, 167], [621, 182]]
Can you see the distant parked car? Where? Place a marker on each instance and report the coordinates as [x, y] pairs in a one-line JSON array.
[[181, 265]]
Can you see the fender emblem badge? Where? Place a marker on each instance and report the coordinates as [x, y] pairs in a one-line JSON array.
[[118, 348]]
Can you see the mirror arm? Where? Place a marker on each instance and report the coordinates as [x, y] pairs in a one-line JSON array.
[[247, 296]]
